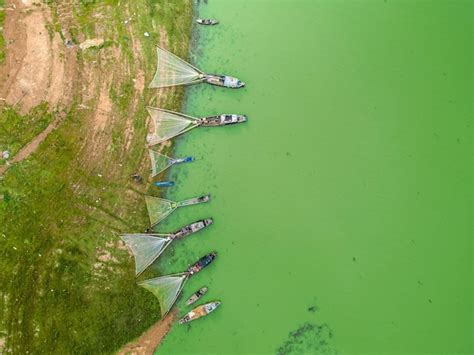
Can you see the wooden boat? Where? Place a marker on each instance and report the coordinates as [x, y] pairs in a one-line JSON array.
[[207, 21], [200, 311], [172, 71], [192, 228], [196, 295], [222, 80], [223, 120], [202, 263]]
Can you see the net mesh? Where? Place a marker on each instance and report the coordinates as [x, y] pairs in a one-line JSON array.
[[158, 208], [166, 289], [167, 124], [159, 162], [146, 249], [172, 70]]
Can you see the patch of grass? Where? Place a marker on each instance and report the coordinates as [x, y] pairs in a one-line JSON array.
[[68, 290], [16, 130], [66, 285], [2, 39], [122, 96]]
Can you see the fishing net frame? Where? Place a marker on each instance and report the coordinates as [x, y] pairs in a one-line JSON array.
[[156, 216], [146, 248], [159, 216], [162, 120], [154, 157], [171, 70], [160, 162], [152, 286]]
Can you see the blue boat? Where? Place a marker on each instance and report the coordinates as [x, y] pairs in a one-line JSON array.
[[164, 183]]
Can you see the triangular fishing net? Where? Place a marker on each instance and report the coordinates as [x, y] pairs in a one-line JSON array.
[[159, 208], [168, 124], [159, 162], [166, 289], [172, 70], [146, 249]]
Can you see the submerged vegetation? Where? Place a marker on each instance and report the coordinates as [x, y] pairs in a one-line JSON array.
[[67, 282], [309, 338]]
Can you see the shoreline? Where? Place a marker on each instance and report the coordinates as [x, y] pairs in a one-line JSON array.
[[151, 339], [90, 153]]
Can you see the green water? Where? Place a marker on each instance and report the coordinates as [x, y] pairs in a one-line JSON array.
[[343, 207]]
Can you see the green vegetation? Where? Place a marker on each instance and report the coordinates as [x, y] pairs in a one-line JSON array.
[[2, 39], [16, 130], [67, 284]]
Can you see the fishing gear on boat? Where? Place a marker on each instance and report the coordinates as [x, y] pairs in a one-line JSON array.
[[161, 162], [160, 208], [172, 70], [167, 288], [146, 248], [169, 124]]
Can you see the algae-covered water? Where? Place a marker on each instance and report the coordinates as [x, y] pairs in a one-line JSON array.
[[343, 207]]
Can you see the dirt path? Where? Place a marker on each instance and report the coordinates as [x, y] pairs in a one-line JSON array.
[[150, 340], [31, 147]]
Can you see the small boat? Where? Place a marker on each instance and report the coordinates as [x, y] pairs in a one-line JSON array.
[[172, 285], [202, 263], [222, 80], [200, 311], [164, 183], [182, 160], [172, 70], [207, 21], [192, 228], [222, 120], [196, 295]]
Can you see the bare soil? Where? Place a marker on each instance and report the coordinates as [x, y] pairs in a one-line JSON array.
[[150, 340], [38, 67]]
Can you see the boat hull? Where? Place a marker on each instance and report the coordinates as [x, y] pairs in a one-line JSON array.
[[196, 295], [207, 22], [224, 81], [199, 312], [223, 120], [202, 263], [192, 228]]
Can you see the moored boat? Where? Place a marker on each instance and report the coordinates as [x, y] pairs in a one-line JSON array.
[[169, 124], [223, 80], [192, 228], [172, 70], [202, 263], [164, 183], [223, 120], [207, 21], [200, 311], [196, 295]]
